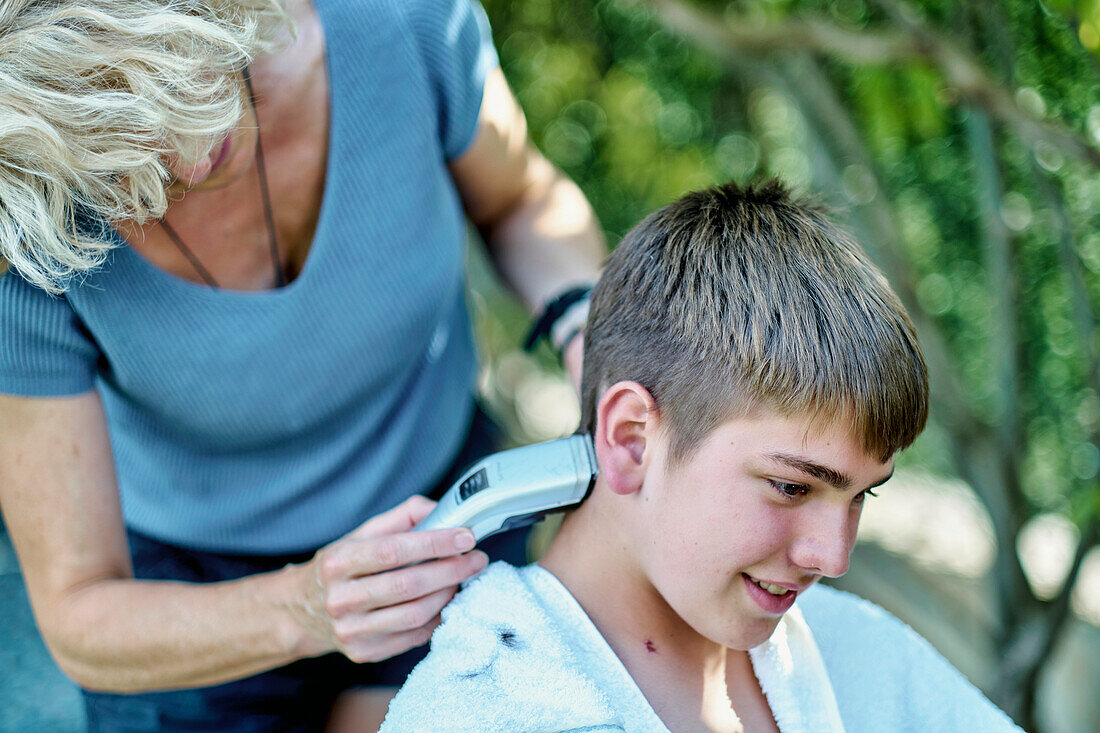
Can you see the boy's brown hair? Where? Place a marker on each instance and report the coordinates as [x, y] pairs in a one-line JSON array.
[[737, 299]]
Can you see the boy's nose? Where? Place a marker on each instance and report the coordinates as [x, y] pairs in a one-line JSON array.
[[825, 545]]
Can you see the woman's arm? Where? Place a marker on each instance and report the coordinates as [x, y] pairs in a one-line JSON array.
[[110, 632], [540, 229]]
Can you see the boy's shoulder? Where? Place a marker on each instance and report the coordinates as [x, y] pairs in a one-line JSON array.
[[845, 625], [500, 662], [825, 604], [881, 670]]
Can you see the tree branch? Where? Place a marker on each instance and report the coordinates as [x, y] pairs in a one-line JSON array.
[[961, 71], [997, 253], [971, 441], [997, 256], [975, 453]]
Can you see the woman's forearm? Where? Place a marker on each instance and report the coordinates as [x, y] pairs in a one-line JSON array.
[[106, 630], [129, 635], [549, 240], [541, 231], [372, 594]]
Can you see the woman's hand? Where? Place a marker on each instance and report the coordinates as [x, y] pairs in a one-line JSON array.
[[378, 591], [110, 632]]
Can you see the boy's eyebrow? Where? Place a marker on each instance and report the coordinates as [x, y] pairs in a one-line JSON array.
[[821, 473]]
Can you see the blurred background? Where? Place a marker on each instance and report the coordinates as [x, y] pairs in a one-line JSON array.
[[960, 141]]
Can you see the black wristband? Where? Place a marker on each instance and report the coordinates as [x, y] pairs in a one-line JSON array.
[[552, 312]]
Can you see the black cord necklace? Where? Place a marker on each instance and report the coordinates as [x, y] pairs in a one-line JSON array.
[[265, 194]]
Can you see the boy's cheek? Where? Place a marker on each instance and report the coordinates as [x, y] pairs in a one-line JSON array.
[[719, 614]]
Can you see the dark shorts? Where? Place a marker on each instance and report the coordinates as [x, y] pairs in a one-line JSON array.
[[297, 697]]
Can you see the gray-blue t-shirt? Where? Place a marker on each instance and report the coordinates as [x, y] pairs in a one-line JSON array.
[[276, 421]]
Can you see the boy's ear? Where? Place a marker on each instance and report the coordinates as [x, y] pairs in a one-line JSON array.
[[625, 423]]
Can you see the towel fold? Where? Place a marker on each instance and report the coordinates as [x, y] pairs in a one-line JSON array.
[[516, 653], [793, 678], [495, 665]]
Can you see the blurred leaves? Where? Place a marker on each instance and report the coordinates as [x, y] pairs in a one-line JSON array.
[[639, 112], [960, 141]]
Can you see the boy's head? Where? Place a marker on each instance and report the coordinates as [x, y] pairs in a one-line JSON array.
[[734, 300], [748, 376]]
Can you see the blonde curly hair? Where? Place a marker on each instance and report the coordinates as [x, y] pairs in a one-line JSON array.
[[95, 97]]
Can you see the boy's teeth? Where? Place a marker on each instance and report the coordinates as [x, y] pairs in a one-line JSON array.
[[775, 590]]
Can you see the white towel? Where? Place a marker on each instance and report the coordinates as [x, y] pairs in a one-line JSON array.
[[886, 677], [793, 678], [494, 666], [517, 654], [498, 664]]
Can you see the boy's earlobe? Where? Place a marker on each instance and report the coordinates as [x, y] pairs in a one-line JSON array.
[[624, 425]]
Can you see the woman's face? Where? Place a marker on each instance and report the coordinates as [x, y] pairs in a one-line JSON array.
[[227, 161]]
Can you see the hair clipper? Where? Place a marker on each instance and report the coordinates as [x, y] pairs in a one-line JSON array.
[[517, 487]]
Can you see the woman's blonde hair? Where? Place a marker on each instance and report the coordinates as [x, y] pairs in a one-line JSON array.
[[95, 97]]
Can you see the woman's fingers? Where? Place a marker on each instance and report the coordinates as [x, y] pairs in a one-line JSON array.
[[379, 590], [355, 629], [378, 648], [401, 518], [399, 586], [356, 557], [366, 631]]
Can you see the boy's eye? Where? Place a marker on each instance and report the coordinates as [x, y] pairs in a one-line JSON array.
[[862, 496], [789, 491]]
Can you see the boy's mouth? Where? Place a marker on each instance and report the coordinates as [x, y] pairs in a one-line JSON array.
[[775, 590], [772, 598]]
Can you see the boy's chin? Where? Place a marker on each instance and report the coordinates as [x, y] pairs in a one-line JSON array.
[[747, 635]]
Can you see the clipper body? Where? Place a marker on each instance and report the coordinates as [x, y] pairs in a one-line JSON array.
[[517, 487]]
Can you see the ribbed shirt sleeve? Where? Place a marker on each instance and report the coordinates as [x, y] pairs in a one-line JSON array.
[[456, 45], [44, 350]]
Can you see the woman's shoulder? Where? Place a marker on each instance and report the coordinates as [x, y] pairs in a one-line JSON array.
[[382, 11], [22, 300], [44, 351]]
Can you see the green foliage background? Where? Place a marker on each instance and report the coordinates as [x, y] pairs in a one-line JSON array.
[[991, 233], [638, 115]]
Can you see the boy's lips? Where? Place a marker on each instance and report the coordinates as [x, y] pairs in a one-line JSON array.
[[769, 602], [796, 587]]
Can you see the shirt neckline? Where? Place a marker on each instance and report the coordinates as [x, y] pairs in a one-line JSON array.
[[315, 246]]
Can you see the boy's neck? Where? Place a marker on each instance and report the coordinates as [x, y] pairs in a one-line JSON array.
[[688, 679]]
